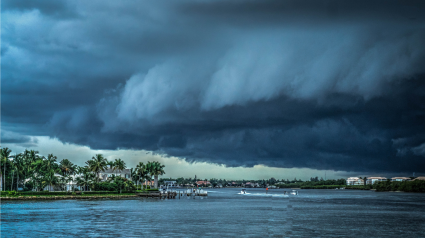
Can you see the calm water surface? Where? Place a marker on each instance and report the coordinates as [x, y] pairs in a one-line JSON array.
[[225, 213]]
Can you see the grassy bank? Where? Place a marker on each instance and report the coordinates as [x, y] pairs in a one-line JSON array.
[[147, 190], [64, 194]]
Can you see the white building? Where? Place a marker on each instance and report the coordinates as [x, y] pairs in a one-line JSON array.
[[400, 179], [373, 180], [170, 183], [355, 181], [104, 175]]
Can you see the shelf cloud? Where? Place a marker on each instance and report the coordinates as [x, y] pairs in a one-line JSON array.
[[323, 85]]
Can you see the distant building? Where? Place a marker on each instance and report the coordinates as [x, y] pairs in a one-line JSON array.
[[150, 183], [419, 178], [203, 183], [251, 185], [400, 179], [355, 181], [104, 175], [170, 183], [373, 180]]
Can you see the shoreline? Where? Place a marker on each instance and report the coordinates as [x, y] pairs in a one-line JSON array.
[[65, 197]]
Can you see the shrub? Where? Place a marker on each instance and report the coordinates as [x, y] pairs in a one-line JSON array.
[[405, 186]]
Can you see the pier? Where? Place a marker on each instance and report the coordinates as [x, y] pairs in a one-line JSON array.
[[173, 193]]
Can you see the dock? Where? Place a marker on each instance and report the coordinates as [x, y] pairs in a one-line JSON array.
[[173, 193], [158, 194]]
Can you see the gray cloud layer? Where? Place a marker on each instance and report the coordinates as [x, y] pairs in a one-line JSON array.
[[325, 85]]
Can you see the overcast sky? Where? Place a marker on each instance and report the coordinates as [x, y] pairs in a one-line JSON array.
[[256, 88]]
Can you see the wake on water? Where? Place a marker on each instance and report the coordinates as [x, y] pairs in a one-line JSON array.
[[263, 195]]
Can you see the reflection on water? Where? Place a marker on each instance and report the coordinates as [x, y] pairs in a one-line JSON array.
[[226, 213]]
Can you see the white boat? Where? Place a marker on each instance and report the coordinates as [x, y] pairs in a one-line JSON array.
[[294, 192]]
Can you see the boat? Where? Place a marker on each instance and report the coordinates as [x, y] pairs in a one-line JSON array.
[[243, 191], [294, 192]]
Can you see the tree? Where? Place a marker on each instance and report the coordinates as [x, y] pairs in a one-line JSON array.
[[67, 168], [120, 182], [155, 169], [142, 172], [50, 163], [85, 179], [96, 164], [30, 157], [50, 179], [17, 165], [5, 154], [133, 175], [119, 164], [111, 164]]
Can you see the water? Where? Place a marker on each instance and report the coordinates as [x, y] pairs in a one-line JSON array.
[[224, 213]]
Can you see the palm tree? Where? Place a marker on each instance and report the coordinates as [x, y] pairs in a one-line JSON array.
[[96, 164], [30, 156], [133, 175], [50, 179], [4, 162], [142, 172], [119, 164], [67, 168], [155, 168], [364, 180], [86, 179], [50, 163], [62, 181], [69, 179], [17, 164], [111, 164], [5, 154], [120, 182]]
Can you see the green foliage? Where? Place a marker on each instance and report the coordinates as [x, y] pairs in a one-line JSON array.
[[322, 187], [314, 183], [147, 190], [405, 186], [359, 187], [105, 186]]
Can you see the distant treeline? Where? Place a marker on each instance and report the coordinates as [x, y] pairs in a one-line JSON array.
[[405, 186], [417, 186], [323, 184]]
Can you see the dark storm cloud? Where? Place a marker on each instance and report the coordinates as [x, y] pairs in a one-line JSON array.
[[9, 137], [325, 85]]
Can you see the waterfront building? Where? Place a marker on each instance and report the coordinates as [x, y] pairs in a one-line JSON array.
[[203, 183], [355, 181], [373, 180], [170, 183], [400, 179], [251, 185], [149, 183], [104, 175], [420, 178]]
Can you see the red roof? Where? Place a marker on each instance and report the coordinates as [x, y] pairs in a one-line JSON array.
[[202, 182]]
